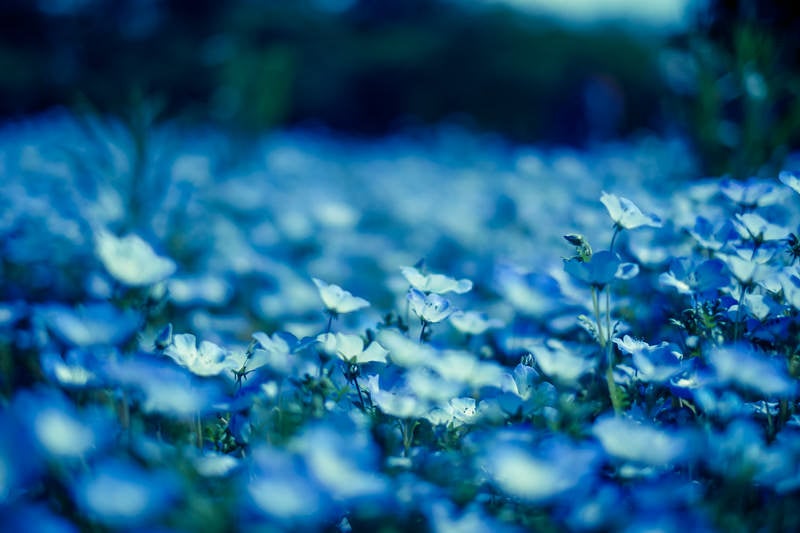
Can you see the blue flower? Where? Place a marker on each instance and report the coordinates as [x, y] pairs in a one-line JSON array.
[[131, 260], [90, 324], [600, 270], [430, 308], [750, 370], [206, 360], [350, 348], [473, 323], [119, 493], [625, 214], [629, 440], [435, 283], [337, 300]]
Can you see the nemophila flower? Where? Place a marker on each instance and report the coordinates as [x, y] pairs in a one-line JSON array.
[[160, 387], [350, 348], [473, 323], [404, 351], [90, 324], [760, 306], [744, 270], [346, 466], [464, 367], [58, 429], [754, 227], [131, 260], [207, 290], [430, 308], [398, 403], [77, 369], [625, 214], [790, 179], [752, 193], [600, 270], [687, 277], [523, 391], [428, 385], [753, 371], [206, 360], [215, 465], [435, 283], [563, 362], [337, 300], [120, 493], [532, 293], [639, 442], [654, 363], [710, 236], [538, 474], [280, 487]]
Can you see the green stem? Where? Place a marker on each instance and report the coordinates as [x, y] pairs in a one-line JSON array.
[[597, 317], [330, 323], [736, 326], [360, 396], [422, 331], [614, 238], [199, 428]]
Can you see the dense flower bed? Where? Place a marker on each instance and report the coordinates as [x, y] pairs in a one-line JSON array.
[[439, 332]]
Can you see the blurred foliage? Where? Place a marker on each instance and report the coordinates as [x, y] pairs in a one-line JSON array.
[[730, 84], [367, 69], [742, 106]]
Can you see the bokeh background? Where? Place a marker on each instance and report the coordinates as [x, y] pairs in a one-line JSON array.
[[723, 74]]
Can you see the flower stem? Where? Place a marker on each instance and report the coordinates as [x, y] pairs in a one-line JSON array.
[[199, 424], [422, 331], [596, 306], [330, 323]]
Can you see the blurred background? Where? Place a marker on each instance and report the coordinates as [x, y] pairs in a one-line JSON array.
[[722, 74]]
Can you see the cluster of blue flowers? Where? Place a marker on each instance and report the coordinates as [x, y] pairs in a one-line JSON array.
[[200, 336]]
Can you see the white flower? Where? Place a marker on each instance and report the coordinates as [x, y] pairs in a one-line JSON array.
[[350, 348], [131, 260], [430, 308], [473, 323], [337, 300], [436, 283], [626, 214], [207, 360]]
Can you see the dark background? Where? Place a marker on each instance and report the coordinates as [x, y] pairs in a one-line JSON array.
[[729, 83]]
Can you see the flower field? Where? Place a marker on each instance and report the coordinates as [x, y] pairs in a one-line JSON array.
[[433, 331]]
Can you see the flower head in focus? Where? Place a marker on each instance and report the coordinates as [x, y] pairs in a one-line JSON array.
[[435, 283], [627, 215], [337, 300]]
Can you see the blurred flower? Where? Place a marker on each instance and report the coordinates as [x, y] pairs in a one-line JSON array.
[[59, 430], [90, 324], [337, 300], [625, 214], [435, 283], [350, 348], [757, 372], [538, 474], [790, 179], [131, 260], [473, 323], [752, 226], [558, 360], [654, 363], [119, 493], [751, 193], [630, 440]]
